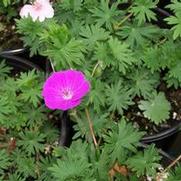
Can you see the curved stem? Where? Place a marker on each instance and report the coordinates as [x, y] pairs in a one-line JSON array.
[[121, 22], [52, 66], [173, 163], [91, 127], [94, 69]]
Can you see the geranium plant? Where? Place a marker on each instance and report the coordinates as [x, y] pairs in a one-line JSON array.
[[123, 53], [115, 71]]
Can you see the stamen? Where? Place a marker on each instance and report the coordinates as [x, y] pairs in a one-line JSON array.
[[67, 94]]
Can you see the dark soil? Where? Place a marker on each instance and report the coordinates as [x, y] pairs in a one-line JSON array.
[[8, 36], [136, 116]]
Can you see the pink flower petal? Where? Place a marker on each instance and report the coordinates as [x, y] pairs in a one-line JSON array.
[[56, 80], [25, 10], [39, 10], [82, 90], [47, 11], [65, 89], [61, 104]]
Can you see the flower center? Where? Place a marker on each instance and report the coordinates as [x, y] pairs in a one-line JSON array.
[[67, 94], [37, 6]]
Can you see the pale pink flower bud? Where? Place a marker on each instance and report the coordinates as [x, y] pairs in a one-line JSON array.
[[40, 10]]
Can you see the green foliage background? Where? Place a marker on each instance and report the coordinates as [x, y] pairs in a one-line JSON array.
[[126, 56]]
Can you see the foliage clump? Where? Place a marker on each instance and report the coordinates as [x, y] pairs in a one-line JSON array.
[[128, 60]]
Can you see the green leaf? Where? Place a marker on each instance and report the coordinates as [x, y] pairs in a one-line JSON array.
[[175, 6], [175, 70], [74, 5], [4, 107], [136, 35], [145, 163], [15, 176], [152, 58], [33, 95], [76, 27], [122, 54], [4, 161], [4, 69], [82, 127], [92, 34], [65, 50], [175, 175], [160, 57], [171, 81], [115, 54], [6, 2], [31, 141], [105, 14], [30, 31], [74, 166], [119, 142], [118, 97], [156, 108], [101, 165], [176, 21], [143, 82], [44, 164], [96, 97], [30, 86], [100, 124], [26, 166], [50, 131], [35, 116], [142, 10], [26, 79]]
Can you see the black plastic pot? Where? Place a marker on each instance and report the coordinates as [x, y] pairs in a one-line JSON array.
[[23, 53], [19, 64], [162, 135], [23, 64]]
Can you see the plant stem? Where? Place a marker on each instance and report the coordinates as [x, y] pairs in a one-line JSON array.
[[127, 17], [91, 127], [173, 163], [37, 165], [94, 69], [53, 67], [162, 41]]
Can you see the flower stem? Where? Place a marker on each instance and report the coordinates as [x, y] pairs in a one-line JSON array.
[[53, 67], [125, 19], [94, 69], [91, 127], [173, 163], [162, 41]]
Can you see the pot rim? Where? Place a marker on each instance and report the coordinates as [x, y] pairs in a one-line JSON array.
[[21, 60], [163, 134], [12, 51]]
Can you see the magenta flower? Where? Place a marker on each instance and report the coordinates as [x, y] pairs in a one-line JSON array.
[[40, 10], [64, 90]]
